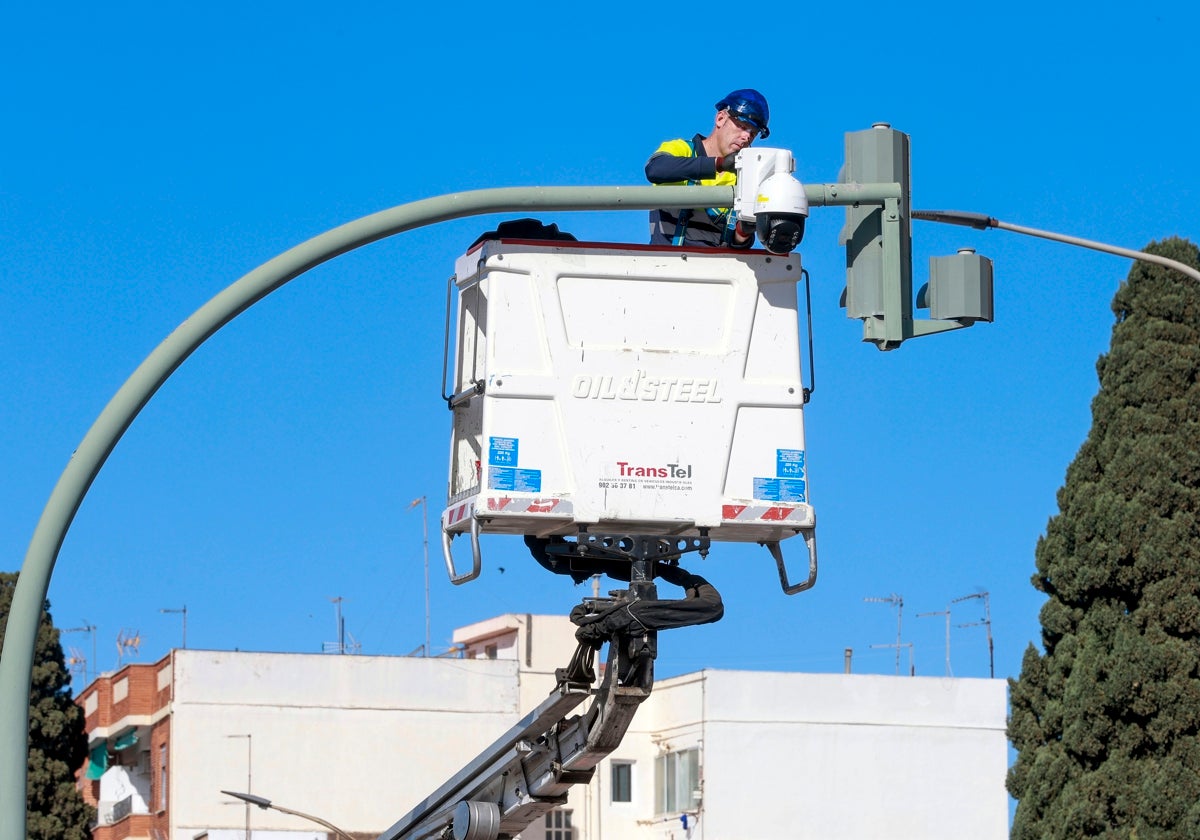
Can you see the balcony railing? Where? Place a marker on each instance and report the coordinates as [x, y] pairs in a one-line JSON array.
[[109, 812], [122, 809]]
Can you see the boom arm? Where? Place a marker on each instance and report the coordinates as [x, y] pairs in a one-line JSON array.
[[529, 770]]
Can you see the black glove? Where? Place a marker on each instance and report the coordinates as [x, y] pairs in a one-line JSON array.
[[726, 163], [744, 232]]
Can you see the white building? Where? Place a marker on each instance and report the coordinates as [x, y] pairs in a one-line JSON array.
[[716, 755]]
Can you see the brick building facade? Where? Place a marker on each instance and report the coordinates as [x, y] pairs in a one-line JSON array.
[[127, 719]]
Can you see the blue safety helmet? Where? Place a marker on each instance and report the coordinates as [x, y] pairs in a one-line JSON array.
[[749, 105]]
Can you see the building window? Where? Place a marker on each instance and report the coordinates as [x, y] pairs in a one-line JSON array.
[[622, 781], [677, 781], [162, 777], [558, 825]]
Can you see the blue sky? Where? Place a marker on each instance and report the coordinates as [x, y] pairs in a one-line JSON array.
[[155, 153]]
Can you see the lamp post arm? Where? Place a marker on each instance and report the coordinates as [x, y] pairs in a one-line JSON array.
[[311, 818], [981, 222], [264, 803], [16, 663]]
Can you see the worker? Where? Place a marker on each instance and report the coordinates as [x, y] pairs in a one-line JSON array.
[[708, 161]]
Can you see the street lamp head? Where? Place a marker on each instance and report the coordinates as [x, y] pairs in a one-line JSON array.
[[260, 801], [264, 803]]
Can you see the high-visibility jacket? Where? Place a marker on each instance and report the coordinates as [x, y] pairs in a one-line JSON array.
[[683, 162]]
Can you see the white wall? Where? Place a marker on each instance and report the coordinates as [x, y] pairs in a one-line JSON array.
[[539, 643], [356, 740], [360, 740], [119, 782], [822, 756]]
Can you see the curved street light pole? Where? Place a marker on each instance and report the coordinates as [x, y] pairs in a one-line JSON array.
[[16, 663], [264, 803]]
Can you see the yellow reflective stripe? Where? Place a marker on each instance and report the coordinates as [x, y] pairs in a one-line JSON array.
[[678, 148], [683, 148]]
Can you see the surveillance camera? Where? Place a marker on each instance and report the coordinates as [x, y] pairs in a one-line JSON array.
[[767, 194], [780, 233]]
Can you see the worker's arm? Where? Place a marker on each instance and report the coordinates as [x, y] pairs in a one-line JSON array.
[[666, 168]]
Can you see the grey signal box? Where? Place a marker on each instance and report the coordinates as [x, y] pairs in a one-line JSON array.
[[877, 155], [960, 287], [878, 240]]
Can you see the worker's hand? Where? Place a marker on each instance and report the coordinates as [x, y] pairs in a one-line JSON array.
[[727, 163], [743, 232]]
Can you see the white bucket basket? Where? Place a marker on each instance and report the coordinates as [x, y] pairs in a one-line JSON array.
[[627, 390]]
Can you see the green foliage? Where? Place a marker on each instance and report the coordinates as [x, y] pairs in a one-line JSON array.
[[1106, 720], [57, 744]]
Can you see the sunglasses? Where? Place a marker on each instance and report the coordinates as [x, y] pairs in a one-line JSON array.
[[745, 125]]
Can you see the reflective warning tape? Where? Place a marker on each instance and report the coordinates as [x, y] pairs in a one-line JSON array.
[[458, 513], [508, 504], [763, 513]]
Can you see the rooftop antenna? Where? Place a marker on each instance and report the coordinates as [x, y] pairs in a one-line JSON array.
[[912, 668], [986, 623], [77, 662], [425, 549], [87, 628], [945, 612], [897, 602], [127, 640], [341, 646], [184, 611]]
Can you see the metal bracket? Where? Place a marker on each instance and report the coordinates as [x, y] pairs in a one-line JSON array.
[[465, 395], [476, 556], [634, 546], [810, 543]]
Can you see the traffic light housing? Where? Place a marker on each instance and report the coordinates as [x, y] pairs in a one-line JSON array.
[[874, 262], [878, 240]]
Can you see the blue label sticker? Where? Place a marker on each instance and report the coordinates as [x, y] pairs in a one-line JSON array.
[[519, 481], [793, 490], [789, 463], [527, 481], [502, 452], [780, 489]]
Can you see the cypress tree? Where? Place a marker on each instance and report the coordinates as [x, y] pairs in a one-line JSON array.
[[57, 744], [1106, 719]]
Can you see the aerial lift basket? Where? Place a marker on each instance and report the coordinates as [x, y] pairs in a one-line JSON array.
[[627, 390]]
